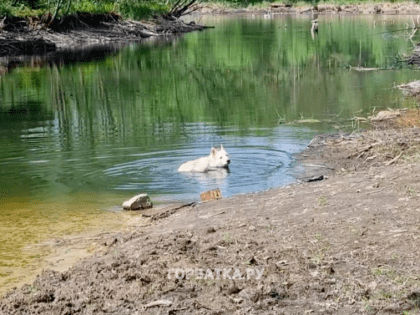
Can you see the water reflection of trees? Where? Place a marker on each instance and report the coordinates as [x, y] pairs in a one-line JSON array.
[[242, 74]]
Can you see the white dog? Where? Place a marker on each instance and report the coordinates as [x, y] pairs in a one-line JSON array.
[[218, 158]]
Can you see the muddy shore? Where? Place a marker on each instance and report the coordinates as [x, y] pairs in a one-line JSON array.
[[78, 38], [34, 36], [403, 8], [343, 245]]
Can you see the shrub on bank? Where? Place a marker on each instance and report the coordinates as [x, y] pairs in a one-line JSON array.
[[132, 9], [5, 9], [20, 8]]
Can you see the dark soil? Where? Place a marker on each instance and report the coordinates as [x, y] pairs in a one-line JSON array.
[[344, 245], [414, 59], [39, 35]]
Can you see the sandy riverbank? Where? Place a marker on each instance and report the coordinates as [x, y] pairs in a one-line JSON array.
[[344, 245]]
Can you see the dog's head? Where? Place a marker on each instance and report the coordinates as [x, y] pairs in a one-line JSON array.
[[220, 157]]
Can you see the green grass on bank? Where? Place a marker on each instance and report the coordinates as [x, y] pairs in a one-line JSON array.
[[132, 9], [140, 9]]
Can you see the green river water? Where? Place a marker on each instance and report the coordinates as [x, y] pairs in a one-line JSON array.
[[79, 138]]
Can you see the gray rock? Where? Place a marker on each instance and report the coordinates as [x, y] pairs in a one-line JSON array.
[[138, 202]]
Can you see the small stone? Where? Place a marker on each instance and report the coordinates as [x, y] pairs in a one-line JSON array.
[[138, 202], [281, 263], [211, 230], [252, 228]]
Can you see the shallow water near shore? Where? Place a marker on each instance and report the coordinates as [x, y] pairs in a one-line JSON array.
[[79, 139]]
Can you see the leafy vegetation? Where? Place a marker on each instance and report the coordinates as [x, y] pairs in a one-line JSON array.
[[133, 9], [5, 9], [128, 8]]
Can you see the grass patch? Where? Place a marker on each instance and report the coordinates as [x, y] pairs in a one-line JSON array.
[[227, 238], [411, 192], [321, 247], [130, 9], [92, 7], [6, 9], [322, 201], [141, 9]]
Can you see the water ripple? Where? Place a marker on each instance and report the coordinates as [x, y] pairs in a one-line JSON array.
[[252, 169]]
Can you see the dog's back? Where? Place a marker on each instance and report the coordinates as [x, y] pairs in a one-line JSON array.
[[218, 158], [199, 165]]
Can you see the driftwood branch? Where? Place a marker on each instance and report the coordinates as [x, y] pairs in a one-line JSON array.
[[393, 160], [185, 8], [174, 7], [180, 8], [191, 10]]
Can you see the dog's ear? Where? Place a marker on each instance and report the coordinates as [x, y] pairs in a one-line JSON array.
[[221, 147], [213, 151]]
